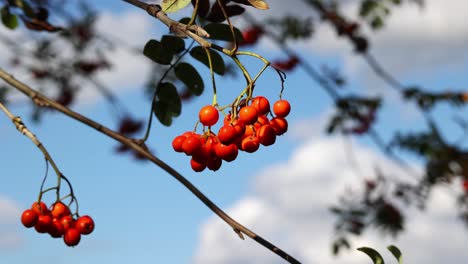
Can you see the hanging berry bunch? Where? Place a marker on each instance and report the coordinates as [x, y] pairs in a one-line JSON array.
[[58, 220], [249, 125]]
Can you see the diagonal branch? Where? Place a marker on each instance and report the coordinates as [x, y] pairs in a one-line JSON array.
[[141, 149]]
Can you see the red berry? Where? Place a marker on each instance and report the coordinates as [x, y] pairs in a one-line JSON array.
[[177, 143], [226, 152], [281, 108], [59, 210], [214, 164], [67, 222], [266, 135], [43, 224], [208, 115], [261, 104], [197, 166], [239, 126], [85, 225], [263, 120], [40, 208], [56, 229], [72, 237], [280, 125], [191, 145], [250, 144], [249, 130], [465, 185], [248, 115], [29, 218], [227, 134]]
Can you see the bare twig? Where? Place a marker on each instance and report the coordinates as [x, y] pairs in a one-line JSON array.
[[21, 127]]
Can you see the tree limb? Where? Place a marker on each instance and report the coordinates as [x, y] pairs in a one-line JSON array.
[[141, 149]]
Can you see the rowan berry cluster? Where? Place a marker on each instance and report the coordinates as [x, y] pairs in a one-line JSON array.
[[244, 129], [58, 222]]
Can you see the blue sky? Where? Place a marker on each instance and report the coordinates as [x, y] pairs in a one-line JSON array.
[[283, 192]]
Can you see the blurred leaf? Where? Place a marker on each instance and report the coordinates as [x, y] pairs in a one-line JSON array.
[[199, 54], [157, 53], [222, 32], [8, 19], [292, 27], [3, 94], [173, 44], [373, 254], [216, 15], [190, 77], [167, 103], [377, 22], [338, 244], [396, 253]]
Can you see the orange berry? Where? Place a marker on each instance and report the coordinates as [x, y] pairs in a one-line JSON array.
[[227, 134], [281, 108], [248, 115], [250, 144], [280, 125], [208, 115], [266, 135], [59, 210], [226, 152], [261, 104]]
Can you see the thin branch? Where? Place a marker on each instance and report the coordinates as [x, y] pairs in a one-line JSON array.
[[382, 73], [21, 127], [141, 149]]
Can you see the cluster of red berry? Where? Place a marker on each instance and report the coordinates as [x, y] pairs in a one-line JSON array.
[[246, 131], [57, 222]]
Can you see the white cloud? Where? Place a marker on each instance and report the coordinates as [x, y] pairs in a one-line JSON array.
[[9, 218], [289, 203]]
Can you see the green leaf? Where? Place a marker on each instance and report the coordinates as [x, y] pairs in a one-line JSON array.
[[222, 32], [396, 253], [373, 254], [199, 54], [173, 44], [157, 53], [8, 19], [167, 103], [190, 77], [171, 6]]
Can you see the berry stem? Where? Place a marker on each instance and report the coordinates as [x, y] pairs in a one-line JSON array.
[[210, 62], [194, 14], [231, 27], [150, 118]]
